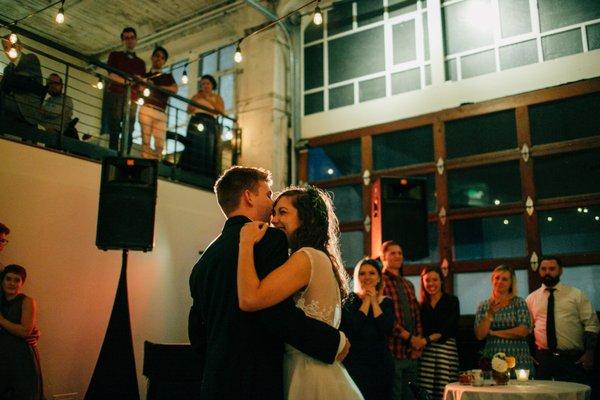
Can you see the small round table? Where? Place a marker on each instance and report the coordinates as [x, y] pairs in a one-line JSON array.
[[515, 390]]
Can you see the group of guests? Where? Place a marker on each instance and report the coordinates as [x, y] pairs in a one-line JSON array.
[[20, 373], [152, 114], [564, 324], [25, 102], [400, 344]]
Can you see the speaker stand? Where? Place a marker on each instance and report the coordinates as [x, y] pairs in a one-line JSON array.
[[115, 376]]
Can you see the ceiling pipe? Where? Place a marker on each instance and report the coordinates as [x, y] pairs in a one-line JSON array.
[[293, 85]]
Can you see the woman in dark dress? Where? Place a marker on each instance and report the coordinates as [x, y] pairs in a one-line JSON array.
[[440, 313], [368, 319], [19, 362]]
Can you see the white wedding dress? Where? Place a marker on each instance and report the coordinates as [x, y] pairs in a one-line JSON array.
[[305, 377]]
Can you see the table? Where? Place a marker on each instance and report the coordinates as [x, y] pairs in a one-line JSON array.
[[530, 390]]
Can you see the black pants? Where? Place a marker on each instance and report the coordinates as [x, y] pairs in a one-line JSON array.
[[561, 367], [113, 107]]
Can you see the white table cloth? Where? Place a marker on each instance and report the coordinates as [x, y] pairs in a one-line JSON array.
[[530, 390]]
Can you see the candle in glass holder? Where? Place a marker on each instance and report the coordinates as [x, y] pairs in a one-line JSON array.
[[522, 375]]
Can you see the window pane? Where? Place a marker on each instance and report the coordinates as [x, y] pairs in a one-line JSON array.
[[341, 96], [334, 160], [406, 81], [426, 36], [474, 287], [518, 54], [371, 89], [355, 55], [451, 71], [593, 36], [369, 11], [484, 186], [339, 18], [226, 90], [584, 278], [348, 203], [405, 47], [226, 57], [515, 18], [397, 149], [313, 66], [427, 75], [313, 32], [399, 7], [467, 25], [478, 64], [562, 44], [558, 13], [485, 238], [209, 64], [434, 254], [481, 134], [570, 230], [352, 247], [313, 103], [567, 174], [567, 119]]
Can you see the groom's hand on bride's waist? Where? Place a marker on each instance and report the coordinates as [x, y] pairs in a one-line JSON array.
[[342, 354]]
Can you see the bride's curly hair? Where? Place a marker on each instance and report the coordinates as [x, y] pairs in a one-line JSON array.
[[319, 227]]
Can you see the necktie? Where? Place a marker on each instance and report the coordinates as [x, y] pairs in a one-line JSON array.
[[550, 321]]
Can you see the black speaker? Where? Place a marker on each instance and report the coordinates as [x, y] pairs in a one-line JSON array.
[[127, 204], [399, 213]]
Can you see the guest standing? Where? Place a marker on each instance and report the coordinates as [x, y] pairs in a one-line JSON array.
[[368, 319], [440, 313], [503, 320], [19, 360]]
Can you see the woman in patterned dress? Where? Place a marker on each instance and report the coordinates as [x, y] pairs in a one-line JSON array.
[[313, 274], [440, 313], [503, 320]]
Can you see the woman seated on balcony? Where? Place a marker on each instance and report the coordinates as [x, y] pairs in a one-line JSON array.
[[503, 320]]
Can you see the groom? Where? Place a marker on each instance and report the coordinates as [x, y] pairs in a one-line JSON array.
[[243, 352]]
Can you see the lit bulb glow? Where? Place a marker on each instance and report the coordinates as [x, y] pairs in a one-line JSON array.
[[13, 38], [505, 222], [100, 84], [200, 127], [13, 53], [237, 57], [146, 92], [184, 78], [140, 102], [318, 16], [60, 17], [497, 202], [549, 219]]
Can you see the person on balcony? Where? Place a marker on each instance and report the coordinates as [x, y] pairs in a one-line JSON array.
[[57, 110]]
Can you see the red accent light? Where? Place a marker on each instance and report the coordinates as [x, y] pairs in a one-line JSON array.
[[130, 163], [404, 182]]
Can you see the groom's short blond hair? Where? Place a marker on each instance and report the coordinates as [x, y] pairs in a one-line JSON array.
[[233, 182]]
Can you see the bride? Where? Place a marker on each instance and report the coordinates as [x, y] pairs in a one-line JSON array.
[[315, 276]]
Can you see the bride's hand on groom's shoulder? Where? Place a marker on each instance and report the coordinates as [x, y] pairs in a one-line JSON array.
[[253, 232]]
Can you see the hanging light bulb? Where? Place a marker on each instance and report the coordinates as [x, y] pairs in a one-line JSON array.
[[140, 102], [317, 15], [237, 57], [100, 84], [13, 53], [200, 127], [13, 38], [184, 77], [146, 92], [60, 17]]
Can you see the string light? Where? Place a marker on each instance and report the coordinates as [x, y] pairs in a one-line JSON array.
[[140, 102], [237, 57], [60, 17], [184, 77], [200, 127], [317, 15], [100, 84], [146, 92], [13, 38], [13, 53]]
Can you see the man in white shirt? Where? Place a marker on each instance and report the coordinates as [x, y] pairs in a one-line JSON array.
[[565, 327]]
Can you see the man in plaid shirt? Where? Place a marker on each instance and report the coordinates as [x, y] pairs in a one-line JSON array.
[[406, 342]]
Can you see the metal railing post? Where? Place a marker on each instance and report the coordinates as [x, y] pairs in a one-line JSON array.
[[125, 134], [62, 114]]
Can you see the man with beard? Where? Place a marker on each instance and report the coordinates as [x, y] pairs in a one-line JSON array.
[[565, 326]]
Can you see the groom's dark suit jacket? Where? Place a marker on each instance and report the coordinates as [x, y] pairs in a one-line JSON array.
[[243, 352]]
